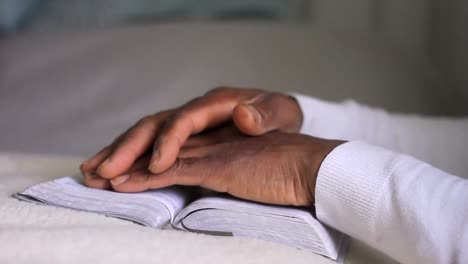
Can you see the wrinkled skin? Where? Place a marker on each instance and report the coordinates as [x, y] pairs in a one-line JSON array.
[[239, 141]]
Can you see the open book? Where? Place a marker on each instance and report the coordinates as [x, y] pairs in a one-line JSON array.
[[175, 207]]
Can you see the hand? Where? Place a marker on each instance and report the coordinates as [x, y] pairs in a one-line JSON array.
[[275, 168], [161, 136]]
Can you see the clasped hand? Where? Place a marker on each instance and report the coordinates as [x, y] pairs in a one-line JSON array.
[[240, 141]]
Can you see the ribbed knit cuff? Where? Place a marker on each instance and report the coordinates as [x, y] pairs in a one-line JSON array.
[[349, 186], [325, 119]]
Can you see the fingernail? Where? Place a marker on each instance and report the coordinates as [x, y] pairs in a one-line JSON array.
[[119, 180], [154, 160], [255, 113], [153, 167], [98, 170], [155, 155], [106, 162]]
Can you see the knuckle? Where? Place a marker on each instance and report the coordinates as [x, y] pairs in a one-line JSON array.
[[180, 116], [145, 121], [179, 165], [180, 119], [277, 98], [269, 103], [170, 120]]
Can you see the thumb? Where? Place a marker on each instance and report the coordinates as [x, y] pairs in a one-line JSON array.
[[268, 112]]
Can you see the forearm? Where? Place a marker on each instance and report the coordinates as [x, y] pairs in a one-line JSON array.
[[441, 142], [395, 203]]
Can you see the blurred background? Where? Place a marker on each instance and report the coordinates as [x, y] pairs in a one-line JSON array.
[[76, 73]]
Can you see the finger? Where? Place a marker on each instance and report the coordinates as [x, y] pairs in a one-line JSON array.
[[94, 181], [140, 164], [190, 171], [198, 115], [93, 163], [267, 112], [201, 140], [135, 142], [221, 135]]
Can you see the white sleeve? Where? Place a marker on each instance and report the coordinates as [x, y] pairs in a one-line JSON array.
[[441, 142], [401, 206]]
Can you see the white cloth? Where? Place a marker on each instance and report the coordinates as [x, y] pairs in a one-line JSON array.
[[44, 234], [402, 206]]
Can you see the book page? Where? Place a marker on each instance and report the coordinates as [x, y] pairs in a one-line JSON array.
[[293, 226], [228, 202], [173, 198], [155, 208]]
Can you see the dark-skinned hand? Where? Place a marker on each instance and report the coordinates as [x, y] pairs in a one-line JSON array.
[[170, 148], [252, 111]]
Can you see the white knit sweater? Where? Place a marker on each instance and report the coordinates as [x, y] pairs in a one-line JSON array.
[[371, 189]]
